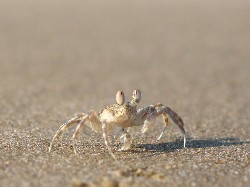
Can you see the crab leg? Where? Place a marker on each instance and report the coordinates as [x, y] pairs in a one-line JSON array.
[[94, 125], [106, 139], [175, 117], [165, 117], [76, 133], [148, 115], [64, 127]]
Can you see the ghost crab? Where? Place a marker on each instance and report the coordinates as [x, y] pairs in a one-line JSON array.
[[122, 115]]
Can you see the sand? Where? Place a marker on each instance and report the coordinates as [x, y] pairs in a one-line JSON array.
[[58, 58]]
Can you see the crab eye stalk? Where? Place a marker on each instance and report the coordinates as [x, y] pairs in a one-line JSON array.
[[120, 98], [137, 95]]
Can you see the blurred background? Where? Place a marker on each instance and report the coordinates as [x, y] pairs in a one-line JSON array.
[[62, 57], [192, 55]]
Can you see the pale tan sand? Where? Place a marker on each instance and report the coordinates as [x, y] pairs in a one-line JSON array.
[[58, 58]]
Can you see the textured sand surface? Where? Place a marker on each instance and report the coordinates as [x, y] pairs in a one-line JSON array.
[[58, 58]]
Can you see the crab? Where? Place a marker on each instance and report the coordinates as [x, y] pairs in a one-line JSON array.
[[123, 115]]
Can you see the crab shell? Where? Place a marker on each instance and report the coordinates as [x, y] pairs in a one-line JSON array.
[[117, 114]]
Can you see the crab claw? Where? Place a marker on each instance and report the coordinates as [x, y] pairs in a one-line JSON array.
[[127, 142]]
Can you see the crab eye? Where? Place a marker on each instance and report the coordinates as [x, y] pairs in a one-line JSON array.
[[120, 98], [137, 95]]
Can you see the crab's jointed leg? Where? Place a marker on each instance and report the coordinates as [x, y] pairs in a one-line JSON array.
[[64, 126], [91, 120], [174, 116], [77, 130], [106, 138], [148, 115], [165, 117]]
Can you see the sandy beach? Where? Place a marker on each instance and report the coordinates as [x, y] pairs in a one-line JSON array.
[[59, 58]]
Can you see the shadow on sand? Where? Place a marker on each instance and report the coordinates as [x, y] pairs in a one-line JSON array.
[[192, 143]]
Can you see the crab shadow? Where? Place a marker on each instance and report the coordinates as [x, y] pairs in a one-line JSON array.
[[191, 143]]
